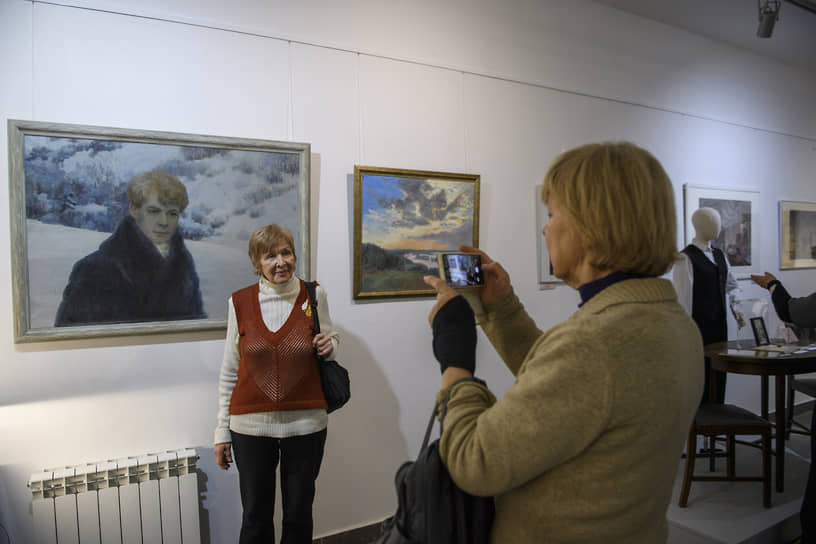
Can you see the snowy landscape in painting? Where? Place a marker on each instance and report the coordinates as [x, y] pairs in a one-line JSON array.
[[75, 197]]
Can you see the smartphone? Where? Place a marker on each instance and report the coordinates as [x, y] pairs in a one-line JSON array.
[[461, 269]]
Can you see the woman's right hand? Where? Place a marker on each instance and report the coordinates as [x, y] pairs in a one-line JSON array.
[[497, 280], [763, 280], [223, 455]]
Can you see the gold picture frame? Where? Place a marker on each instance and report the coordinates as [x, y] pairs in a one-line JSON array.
[[402, 220]]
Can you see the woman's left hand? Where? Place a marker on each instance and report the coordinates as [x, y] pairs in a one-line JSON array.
[[454, 328], [322, 344], [444, 293]]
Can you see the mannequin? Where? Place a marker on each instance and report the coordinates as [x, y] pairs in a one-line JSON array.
[[702, 279]]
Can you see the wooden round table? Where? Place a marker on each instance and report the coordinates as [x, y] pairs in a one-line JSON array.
[[736, 358]]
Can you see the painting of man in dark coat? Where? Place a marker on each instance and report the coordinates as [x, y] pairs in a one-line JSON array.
[[141, 272]]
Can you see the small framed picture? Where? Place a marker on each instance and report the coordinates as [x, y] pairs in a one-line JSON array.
[[760, 334]]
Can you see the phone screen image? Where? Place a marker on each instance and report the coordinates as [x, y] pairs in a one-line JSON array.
[[462, 269]]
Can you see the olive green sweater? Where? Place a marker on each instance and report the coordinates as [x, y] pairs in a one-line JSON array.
[[584, 446]]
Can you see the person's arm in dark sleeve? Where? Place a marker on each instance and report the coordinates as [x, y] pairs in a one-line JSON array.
[[780, 298], [803, 311]]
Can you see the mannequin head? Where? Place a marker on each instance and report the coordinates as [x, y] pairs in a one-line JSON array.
[[707, 224]]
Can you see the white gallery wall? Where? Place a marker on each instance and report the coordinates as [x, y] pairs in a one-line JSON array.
[[492, 88]]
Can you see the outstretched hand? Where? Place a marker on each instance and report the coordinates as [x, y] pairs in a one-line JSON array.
[[763, 280], [497, 280]]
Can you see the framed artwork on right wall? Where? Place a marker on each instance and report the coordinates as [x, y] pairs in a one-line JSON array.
[[797, 234]]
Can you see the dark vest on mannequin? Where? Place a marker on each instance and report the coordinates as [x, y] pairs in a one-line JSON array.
[[708, 293]]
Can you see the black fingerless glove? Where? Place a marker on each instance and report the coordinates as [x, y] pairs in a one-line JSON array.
[[454, 335]]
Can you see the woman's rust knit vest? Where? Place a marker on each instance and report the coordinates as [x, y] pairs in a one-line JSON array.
[[278, 370]]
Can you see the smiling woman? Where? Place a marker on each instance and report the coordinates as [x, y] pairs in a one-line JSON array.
[[271, 403]]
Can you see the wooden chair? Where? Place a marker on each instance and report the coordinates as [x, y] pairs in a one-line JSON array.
[[727, 420], [803, 385]]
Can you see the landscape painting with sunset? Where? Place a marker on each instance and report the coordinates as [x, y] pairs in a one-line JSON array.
[[403, 219]]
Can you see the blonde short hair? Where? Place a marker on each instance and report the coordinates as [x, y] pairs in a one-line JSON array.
[[266, 239], [168, 188], [622, 203]]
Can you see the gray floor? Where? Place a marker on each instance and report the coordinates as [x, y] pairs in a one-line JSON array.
[[717, 512], [732, 512]]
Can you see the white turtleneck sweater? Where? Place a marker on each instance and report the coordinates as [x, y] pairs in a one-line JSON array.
[[276, 303]]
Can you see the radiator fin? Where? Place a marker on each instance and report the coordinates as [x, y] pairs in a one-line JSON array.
[[170, 512], [188, 500], [67, 524], [110, 524], [130, 510], [88, 514], [45, 521]]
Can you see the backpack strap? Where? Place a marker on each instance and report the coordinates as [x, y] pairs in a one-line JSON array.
[[310, 291], [428, 429], [442, 409]]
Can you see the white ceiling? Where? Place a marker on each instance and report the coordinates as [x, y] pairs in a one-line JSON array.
[[735, 22]]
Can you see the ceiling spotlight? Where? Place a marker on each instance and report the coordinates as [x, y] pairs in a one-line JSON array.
[[768, 14]]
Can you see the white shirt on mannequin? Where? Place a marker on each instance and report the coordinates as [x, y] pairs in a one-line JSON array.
[[707, 226]]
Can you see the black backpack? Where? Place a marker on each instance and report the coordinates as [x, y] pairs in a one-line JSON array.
[[431, 509]]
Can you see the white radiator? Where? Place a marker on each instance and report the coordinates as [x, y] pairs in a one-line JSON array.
[[150, 499]]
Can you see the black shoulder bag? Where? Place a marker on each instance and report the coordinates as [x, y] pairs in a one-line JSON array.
[[333, 377], [431, 508]]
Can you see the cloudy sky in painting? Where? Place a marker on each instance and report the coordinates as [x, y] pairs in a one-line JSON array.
[[413, 213]]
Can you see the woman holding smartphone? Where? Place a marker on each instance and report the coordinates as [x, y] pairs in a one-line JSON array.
[[583, 447]]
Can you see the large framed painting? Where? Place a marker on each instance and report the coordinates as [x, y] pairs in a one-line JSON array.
[[739, 213], [797, 234], [402, 220], [124, 232], [546, 277]]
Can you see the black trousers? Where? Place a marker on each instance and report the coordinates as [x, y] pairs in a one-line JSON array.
[[257, 458]]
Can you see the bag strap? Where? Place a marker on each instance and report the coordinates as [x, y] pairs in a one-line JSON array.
[[310, 290], [428, 429], [443, 410], [442, 407]]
